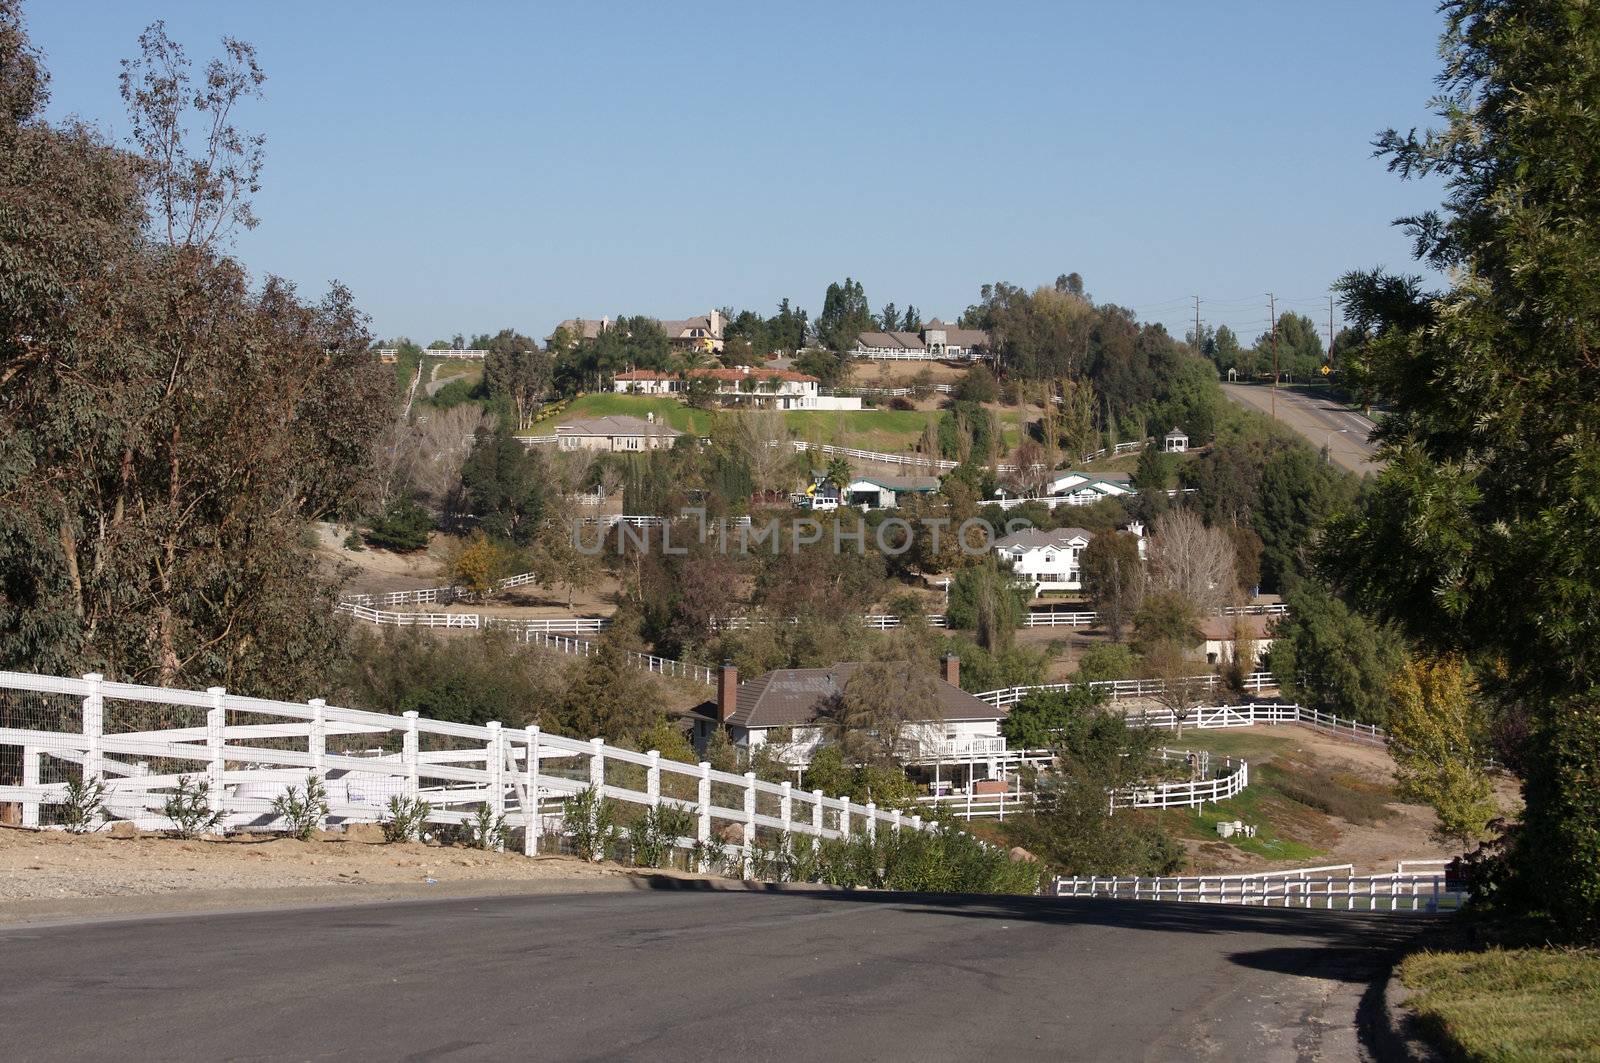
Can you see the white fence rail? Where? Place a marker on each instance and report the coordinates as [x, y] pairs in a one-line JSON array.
[[1154, 795], [1330, 888], [140, 741], [1123, 688]]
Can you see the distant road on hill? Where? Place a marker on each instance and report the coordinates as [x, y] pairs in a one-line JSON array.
[[1317, 415], [681, 975]]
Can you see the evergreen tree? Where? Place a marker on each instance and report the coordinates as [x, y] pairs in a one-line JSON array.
[[1481, 534]]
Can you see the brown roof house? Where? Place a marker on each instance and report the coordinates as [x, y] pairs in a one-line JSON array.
[[788, 705], [1221, 631], [617, 432]]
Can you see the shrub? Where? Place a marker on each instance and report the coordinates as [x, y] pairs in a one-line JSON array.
[[405, 820], [85, 805], [403, 527], [900, 402], [657, 832], [302, 811], [488, 831], [189, 808], [591, 823]]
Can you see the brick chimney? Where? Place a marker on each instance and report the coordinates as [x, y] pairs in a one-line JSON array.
[[952, 669], [727, 691]]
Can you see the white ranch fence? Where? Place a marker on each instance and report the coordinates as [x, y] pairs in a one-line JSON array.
[[1329, 888], [141, 740], [1154, 795], [1006, 697]]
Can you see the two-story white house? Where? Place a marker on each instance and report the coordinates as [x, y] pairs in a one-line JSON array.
[[1047, 559]]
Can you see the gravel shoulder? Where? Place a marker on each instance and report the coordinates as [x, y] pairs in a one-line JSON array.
[[50, 876]]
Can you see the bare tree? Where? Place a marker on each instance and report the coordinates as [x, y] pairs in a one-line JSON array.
[[771, 466], [1190, 559], [1181, 689]]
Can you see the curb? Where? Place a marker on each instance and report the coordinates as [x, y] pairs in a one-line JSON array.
[[1394, 1028]]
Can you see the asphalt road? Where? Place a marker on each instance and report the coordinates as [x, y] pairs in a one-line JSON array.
[[1322, 420], [696, 975]]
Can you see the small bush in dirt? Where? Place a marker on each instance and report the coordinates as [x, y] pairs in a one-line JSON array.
[[657, 832], [900, 402], [85, 805], [406, 818], [353, 543], [302, 811], [774, 862], [705, 856], [488, 829], [591, 823], [189, 808]]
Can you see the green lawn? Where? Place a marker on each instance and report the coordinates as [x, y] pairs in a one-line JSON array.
[[891, 431], [452, 368], [1508, 1004], [673, 412]]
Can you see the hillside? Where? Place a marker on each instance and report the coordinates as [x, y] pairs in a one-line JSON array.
[[892, 431]]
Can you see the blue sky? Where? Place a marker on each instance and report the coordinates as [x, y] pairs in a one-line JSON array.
[[469, 167]]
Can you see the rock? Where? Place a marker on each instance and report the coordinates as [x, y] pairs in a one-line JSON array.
[[123, 828], [1019, 853], [731, 833]]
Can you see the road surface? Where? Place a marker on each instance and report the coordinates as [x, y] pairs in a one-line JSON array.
[[1322, 420], [695, 974]]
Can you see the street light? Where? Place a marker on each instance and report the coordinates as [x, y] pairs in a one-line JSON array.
[[1329, 444]]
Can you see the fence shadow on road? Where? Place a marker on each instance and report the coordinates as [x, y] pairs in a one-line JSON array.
[[1346, 946]]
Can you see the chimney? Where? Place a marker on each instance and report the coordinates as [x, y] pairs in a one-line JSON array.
[[727, 691], [952, 669]]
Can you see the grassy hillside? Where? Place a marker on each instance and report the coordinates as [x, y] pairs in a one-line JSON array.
[[669, 410], [891, 431]]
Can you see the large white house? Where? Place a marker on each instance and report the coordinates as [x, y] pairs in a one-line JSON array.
[[787, 706], [1047, 559], [783, 389]]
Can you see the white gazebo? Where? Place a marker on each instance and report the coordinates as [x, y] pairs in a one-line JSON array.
[[1176, 442]]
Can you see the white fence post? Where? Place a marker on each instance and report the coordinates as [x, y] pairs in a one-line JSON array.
[[597, 766], [317, 744], [94, 725], [786, 805], [816, 820], [844, 817], [652, 778], [872, 821], [702, 822], [408, 754], [31, 762], [749, 822], [495, 754], [216, 720], [532, 823]]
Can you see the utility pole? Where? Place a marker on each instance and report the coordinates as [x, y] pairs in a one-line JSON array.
[[1197, 344], [1330, 333], [1272, 313]]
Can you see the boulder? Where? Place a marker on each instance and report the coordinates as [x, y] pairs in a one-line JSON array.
[[123, 828], [731, 833], [1019, 853]]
